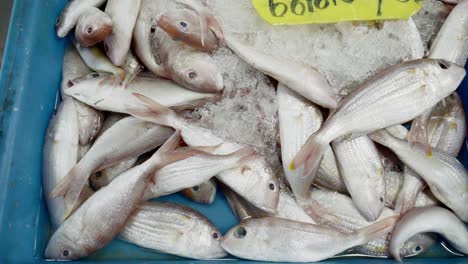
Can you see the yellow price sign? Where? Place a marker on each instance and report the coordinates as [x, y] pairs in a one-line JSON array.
[[290, 12]]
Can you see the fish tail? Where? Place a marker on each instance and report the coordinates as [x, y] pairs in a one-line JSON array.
[[381, 136], [70, 188], [309, 155], [375, 230], [245, 155], [154, 112], [418, 132]]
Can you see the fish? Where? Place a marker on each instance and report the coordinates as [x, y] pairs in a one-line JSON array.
[[95, 90], [82, 150], [404, 90], [105, 213], [183, 25], [103, 177], [90, 122], [444, 174], [142, 38], [426, 198], [429, 219], [254, 181], [201, 167], [124, 14], [289, 208], [241, 208], [451, 43], [393, 184], [71, 13], [203, 193], [298, 119], [173, 229], [60, 154], [96, 60], [299, 77], [340, 212], [73, 67], [93, 27], [193, 69], [128, 138], [363, 173], [282, 240]]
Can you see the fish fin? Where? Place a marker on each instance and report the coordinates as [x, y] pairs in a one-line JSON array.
[[320, 214], [309, 156], [376, 230], [190, 105], [418, 134], [380, 136], [156, 112], [70, 188], [214, 26], [129, 77], [207, 149], [246, 154]]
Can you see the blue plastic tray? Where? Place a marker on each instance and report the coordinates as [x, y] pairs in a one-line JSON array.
[[29, 82]]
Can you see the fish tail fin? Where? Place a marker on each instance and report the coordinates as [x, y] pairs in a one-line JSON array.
[[381, 136], [375, 230], [129, 76], [70, 188], [418, 132], [154, 112], [309, 155], [245, 155]]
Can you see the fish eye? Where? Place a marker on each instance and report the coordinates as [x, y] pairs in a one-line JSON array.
[[271, 186], [70, 83], [196, 188], [240, 232], [192, 74], [153, 29], [215, 235], [418, 248], [98, 174], [65, 253], [444, 65], [95, 75], [59, 19], [106, 48], [182, 24], [381, 199], [89, 29]]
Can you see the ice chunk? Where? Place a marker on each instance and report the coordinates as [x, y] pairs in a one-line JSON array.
[[430, 18], [347, 53]]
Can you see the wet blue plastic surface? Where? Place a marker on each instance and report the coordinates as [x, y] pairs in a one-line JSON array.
[[29, 82]]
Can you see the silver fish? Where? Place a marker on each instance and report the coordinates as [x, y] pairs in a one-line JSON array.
[[60, 154], [281, 240], [173, 229], [128, 138], [71, 13], [340, 212], [96, 60], [429, 219], [203, 193], [405, 90], [93, 27], [95, 90], [124, 14], [105, 213], [193, 171], [444, 174], [241, 208], [451, 42], [254, 181], [298, 119], [393, 184], [299, 77], [363, 173]]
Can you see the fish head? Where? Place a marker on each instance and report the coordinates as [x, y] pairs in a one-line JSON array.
[[60, 27], [447, 76], [184, 25], [241, 238], [203, 193], [93, 27], [417, 245], [206, 237], [99, 179], [61, 247], [198, 71]]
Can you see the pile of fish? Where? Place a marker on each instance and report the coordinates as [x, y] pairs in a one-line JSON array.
[[354, 180]]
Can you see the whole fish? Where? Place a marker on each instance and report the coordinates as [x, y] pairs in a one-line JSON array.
[[301, 78], [173, 229], [188, 67], [60, 154], [145, 26], [128, 138], [298, 119], [96, 60], [289, 208], [254, 181], [95, 90], [71, 13], [183, 25], [444, 174], [340, 212], [193, 171], [105, 213], [124, 14], [240, 207], [203, 193], [396, 95], [363, 174], [429, 219], [93, 27], [282, 240]]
